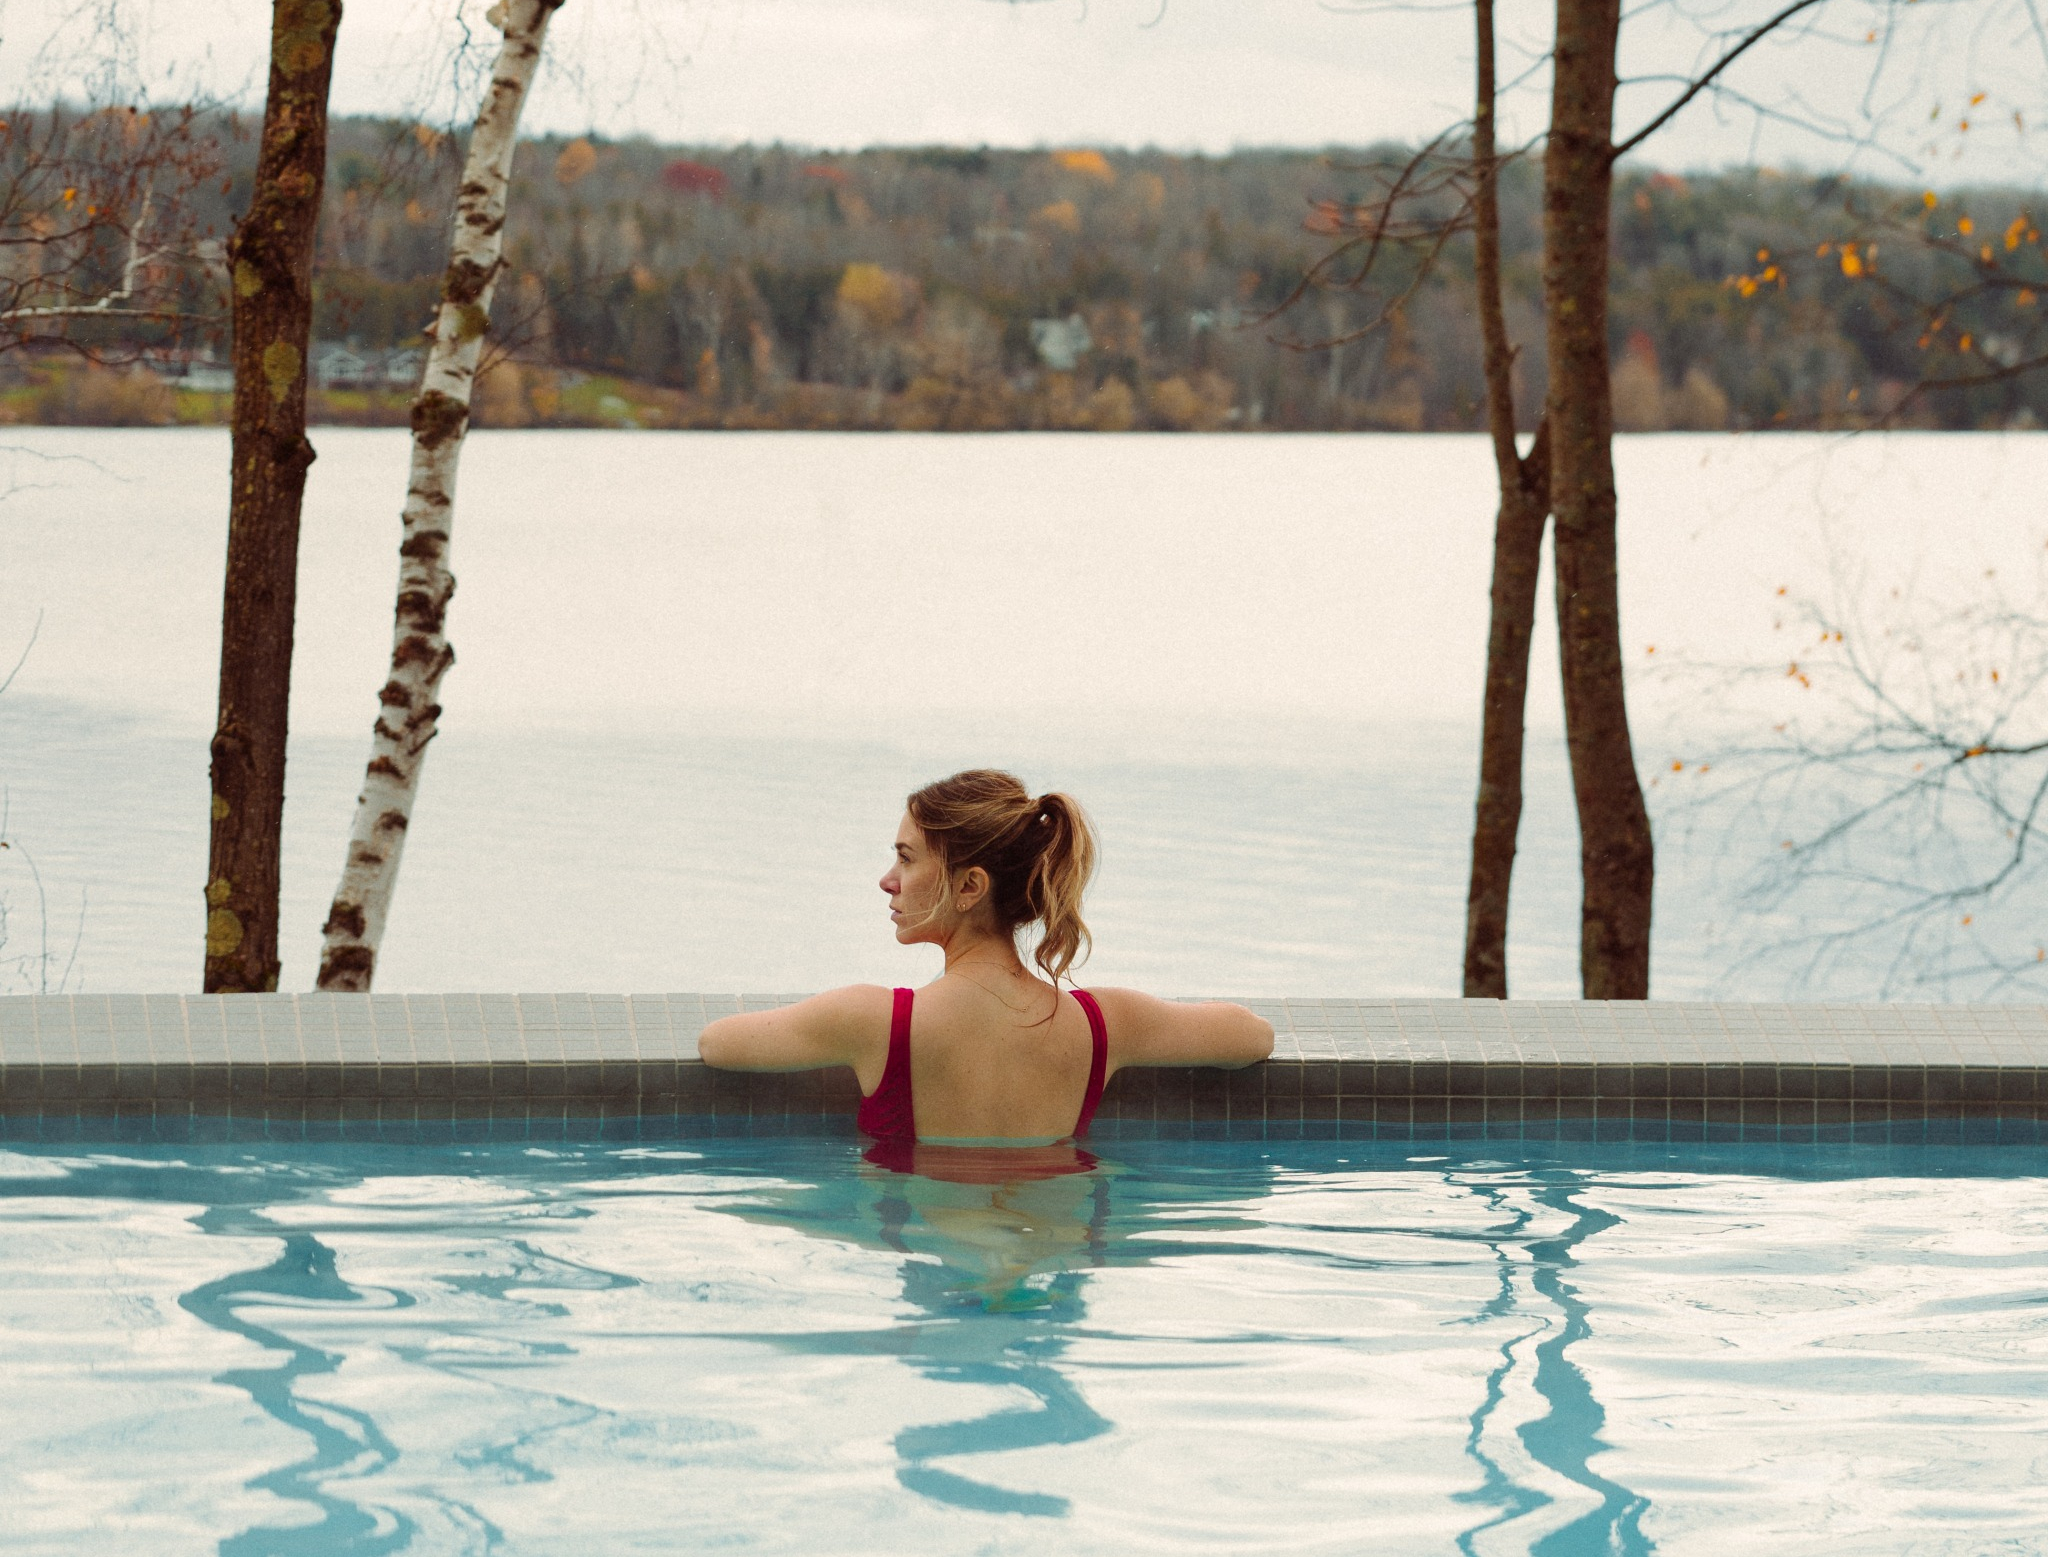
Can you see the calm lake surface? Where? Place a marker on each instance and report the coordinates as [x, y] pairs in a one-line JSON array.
[[698, 672]]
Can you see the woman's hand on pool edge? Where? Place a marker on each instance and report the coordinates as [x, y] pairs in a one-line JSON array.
[[1145, 1030], [838, 1027]]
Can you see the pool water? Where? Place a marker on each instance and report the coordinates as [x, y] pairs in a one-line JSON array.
[[770, 1345]]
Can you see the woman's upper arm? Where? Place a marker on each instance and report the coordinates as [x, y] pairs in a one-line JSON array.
[[1145, 1030], [839, 1027]]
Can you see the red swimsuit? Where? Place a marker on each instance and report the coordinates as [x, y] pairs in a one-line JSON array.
[[886, 1112]]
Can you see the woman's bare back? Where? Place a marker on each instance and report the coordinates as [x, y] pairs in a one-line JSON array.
[[986, 1062]]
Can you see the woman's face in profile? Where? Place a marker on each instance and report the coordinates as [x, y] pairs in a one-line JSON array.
[[912, 883]]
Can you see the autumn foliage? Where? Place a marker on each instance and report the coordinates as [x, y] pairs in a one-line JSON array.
[[758, 287]]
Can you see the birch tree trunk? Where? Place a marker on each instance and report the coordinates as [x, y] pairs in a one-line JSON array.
[[271, 262], [1615, 851], [1517, 554], [420, 652]]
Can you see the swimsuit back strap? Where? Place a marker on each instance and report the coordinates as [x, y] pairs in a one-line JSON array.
[[1098, 1064], [887, 1113]]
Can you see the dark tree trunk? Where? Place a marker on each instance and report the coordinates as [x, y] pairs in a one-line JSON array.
[[1517, 550], [1614, 828], [271, 265]]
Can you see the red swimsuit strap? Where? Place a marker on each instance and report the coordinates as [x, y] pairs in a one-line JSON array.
[[1098, 1064], [887, 1112]]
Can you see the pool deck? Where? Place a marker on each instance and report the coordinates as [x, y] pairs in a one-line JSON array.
[[1386, 1067]]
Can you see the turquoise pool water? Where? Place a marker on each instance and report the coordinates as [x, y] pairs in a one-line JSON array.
[[769, 1345]]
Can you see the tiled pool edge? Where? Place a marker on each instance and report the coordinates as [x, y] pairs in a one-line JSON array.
[[1422, 1069]]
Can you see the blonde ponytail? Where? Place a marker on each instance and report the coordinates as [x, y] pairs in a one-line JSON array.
[[1059, 875]]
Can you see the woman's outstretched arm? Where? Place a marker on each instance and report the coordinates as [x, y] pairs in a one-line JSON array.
[[847, 1026], [1145, 1030]]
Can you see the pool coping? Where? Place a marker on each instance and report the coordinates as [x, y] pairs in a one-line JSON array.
[[1420, 1067]]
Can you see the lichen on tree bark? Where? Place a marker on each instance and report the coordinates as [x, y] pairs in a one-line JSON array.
[[271, 258]]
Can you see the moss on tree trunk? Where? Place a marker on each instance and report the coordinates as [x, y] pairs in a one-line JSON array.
[[271, 266]]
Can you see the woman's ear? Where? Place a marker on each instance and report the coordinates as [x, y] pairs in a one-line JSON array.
[[970, 889]]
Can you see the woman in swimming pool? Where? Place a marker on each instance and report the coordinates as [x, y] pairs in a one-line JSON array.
[[991, 1053]]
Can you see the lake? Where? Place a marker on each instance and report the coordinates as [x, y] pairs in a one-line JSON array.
[[698, 672]]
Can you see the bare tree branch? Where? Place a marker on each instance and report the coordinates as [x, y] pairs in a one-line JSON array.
[[1702, 82]]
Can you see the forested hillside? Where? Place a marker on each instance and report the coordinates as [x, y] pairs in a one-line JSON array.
[[949, 288]]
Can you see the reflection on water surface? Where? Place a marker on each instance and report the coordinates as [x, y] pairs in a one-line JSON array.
[[1183, 1345]]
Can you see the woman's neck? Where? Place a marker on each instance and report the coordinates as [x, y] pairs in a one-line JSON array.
[[984, 953]]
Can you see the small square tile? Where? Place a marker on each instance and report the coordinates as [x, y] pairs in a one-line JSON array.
[[1319, 1079], [1907, 1083], [246, 1084], [1759, 1083], [1944, 1084], [1464, 1081], [1504, 1081], [1577, 1082]]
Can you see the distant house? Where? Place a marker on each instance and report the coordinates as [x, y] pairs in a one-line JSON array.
[[340, 365], [203, 375], [1060, 343], [191, 370], [403, 366]]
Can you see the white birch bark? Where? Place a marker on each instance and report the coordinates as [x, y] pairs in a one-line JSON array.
[[420, 653]]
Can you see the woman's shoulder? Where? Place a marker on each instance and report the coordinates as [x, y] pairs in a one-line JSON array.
[[1130, 1004], [853, 1002], [841, 1025], [1146, 1030]]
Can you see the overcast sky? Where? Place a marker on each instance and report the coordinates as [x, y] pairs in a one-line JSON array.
[[1184, 74]]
